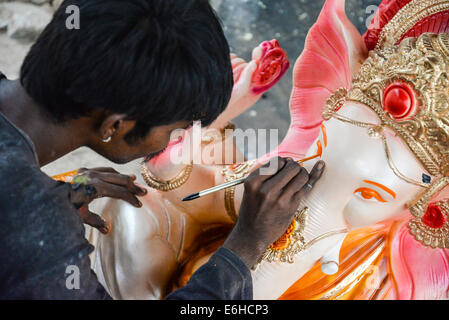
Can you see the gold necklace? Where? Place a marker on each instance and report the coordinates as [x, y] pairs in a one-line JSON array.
[[166, 186]]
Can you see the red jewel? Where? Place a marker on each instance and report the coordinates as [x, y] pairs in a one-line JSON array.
[[434, 217], [399, 101]]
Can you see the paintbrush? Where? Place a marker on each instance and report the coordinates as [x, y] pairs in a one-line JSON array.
[[223, 186], [227, 185]]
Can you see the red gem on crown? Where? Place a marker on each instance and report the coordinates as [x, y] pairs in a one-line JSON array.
[[400, 101]]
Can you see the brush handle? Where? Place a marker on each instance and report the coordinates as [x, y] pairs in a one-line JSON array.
[[223, 186], [227, 185]]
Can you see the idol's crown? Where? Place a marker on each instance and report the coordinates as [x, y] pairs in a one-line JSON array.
[[407, 86]]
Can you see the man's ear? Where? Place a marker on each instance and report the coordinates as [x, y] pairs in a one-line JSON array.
[[112, 125]]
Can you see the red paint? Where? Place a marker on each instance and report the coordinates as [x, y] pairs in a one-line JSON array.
[[434, 217], [436, 23], [399, 101], [272, 66], [386, 11], [174, 142]]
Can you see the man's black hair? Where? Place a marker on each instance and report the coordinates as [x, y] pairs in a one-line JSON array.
[[157, 61]]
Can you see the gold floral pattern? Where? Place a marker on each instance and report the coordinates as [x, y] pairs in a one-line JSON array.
[[435, 238], [292, 241]]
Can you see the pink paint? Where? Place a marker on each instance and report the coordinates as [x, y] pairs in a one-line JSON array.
[[419, 272], [174, 146], [332, 54]]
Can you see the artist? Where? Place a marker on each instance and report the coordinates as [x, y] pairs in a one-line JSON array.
[[135, 71]]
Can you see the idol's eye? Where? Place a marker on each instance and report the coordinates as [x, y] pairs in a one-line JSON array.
[[368, 194]]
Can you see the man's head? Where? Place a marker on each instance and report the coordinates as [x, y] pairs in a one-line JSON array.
[[137, 69]]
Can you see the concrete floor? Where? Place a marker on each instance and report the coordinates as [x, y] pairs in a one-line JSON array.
[[246, 24]]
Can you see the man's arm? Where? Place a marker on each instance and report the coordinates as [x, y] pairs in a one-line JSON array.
[[268, 206], [46, 236], [43, 250], [224, 277], [72, 279]]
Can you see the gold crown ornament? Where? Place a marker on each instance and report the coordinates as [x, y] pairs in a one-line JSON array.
[[407, 86]]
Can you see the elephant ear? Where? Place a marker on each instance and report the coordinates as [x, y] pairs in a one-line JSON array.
[[420, 273], [333, 53]]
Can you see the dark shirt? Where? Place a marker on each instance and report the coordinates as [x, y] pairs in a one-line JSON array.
[[42, 242]]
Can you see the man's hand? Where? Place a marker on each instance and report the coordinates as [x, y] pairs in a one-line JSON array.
[[268, 206], [91, 184]]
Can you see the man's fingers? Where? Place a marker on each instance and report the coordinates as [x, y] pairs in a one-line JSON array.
[[105, 189], [278, 181], [278, 162], [316, 172], [91, 184], [104, 169], [93, 220], [255, 179], [122, 180], [314, 176], [296, 183]]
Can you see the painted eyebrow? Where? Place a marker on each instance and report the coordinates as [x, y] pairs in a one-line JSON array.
[[384, 188]]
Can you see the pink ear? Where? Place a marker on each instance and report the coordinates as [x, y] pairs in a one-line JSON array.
[[333, 52], [420, 272]]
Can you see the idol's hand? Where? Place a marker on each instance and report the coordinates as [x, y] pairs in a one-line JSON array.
[[91, 184], [268, 65], [268, 206]]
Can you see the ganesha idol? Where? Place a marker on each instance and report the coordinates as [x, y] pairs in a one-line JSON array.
[[375, 108]]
